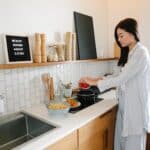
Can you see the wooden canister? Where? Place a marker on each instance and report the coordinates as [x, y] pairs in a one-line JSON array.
[[43, 48], [68, 47], [60, 49], [37, 48], [73, 46]]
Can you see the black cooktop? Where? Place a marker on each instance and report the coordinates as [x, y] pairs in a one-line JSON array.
[[77, 109]]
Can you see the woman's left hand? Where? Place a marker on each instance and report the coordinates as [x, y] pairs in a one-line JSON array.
[[90, 81]]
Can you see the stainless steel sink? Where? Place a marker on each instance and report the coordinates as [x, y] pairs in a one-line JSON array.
[[19, 128]]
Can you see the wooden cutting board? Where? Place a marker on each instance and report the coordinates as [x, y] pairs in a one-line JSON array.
[[116, 50]]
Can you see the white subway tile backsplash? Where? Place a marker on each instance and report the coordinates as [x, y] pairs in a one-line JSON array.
[[2, 85], [23, 87], [10, 107]]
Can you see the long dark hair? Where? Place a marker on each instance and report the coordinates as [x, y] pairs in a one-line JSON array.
[[129, 25]]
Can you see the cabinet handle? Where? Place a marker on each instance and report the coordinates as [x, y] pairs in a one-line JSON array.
[[105, 139]]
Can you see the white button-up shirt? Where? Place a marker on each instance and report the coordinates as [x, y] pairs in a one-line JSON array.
[[134, 84]]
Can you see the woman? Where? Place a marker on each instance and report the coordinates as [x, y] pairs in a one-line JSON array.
[[133, 83]]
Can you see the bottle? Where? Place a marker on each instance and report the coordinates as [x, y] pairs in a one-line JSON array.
[[68, 90], [37, 48], [43, 48]]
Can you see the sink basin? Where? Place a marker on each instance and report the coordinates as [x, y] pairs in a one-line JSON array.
[[19, 128]]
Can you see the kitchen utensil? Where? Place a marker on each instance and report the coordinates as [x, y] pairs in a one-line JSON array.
[[52, 93], [49, 85], [46, 83], [88, 96]]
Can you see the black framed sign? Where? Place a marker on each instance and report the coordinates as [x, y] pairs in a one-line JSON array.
[[17, 49]]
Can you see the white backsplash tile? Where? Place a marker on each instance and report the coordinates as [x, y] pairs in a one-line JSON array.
[[23, 87], [113, 67]]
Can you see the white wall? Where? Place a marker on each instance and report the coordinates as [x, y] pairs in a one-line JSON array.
[[54, 17], [145, 22], [138, 9], [117, 10]]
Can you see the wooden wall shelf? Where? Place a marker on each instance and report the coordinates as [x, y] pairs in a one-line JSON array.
[[23, 65]]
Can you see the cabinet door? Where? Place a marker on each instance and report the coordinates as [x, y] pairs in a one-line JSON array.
[[99, 133], [90, 137], [107, 122], [148, 142], [111, 128], [67, 143]]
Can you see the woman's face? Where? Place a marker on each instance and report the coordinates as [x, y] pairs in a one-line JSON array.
[[125, 38]]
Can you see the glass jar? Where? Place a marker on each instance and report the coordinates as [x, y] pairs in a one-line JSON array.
[[67, 92]]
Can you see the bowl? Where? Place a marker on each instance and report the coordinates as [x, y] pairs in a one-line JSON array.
[[73, 102], [58, 108]]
